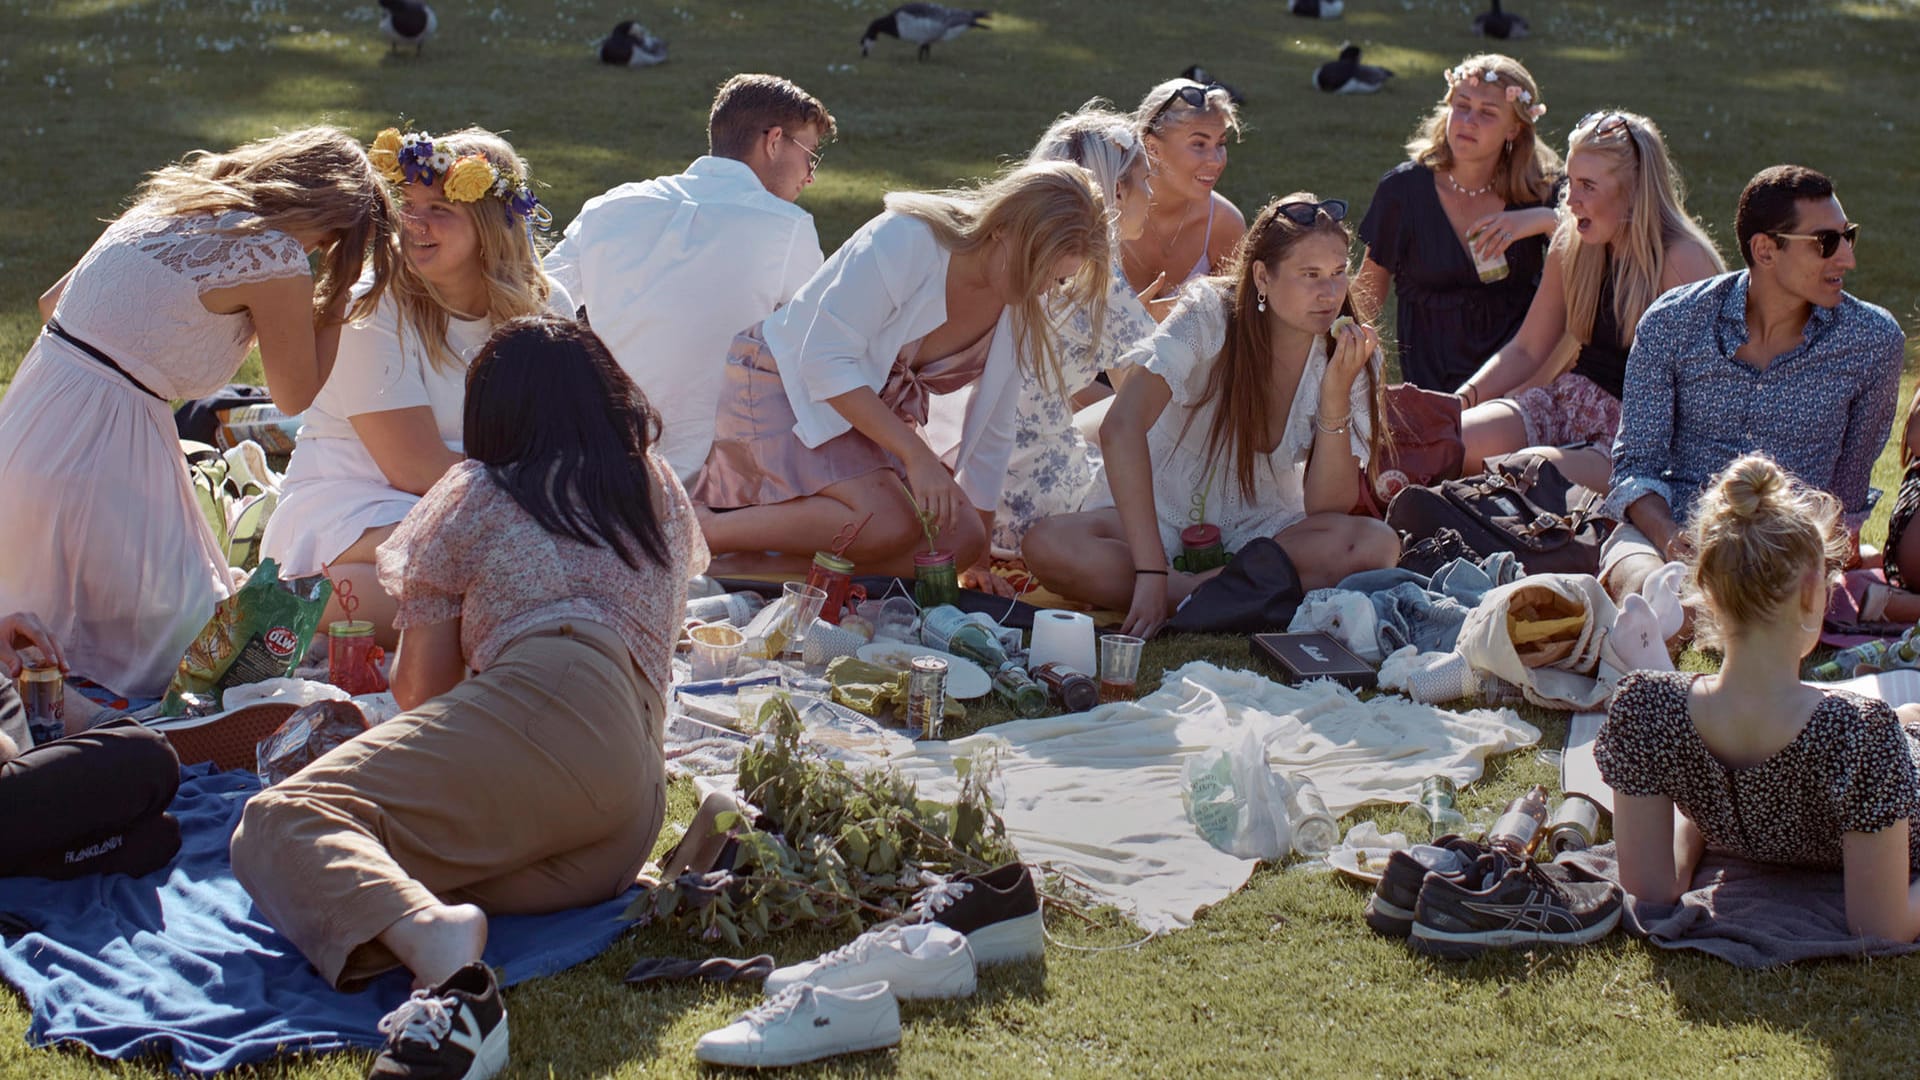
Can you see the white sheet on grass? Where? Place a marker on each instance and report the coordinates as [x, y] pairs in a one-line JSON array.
[[1097, 794]]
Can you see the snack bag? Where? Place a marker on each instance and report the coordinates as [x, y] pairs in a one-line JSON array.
[[307, 735], [255, 634]]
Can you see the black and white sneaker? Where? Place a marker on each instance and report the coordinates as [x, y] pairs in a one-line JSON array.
[[456, 1031], [1518, 902], [1390, 910], [998, 911]]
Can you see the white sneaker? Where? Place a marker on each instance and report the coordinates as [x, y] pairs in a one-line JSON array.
[[927, 960], [804, 1023]]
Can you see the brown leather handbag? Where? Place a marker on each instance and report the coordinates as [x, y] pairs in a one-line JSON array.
[[1422, 446]]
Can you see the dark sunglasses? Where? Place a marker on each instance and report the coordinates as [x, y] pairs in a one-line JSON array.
[[1604, 124], [1306, 213], [1828, 239], [1193, 94]]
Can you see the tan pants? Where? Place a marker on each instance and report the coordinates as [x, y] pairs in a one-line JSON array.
[[534, 786]]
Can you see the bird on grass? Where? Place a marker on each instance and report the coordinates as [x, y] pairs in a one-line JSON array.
[[408, 22], [1317, 9], [1500, 24], [923, 24], [1202, 76], [1348, 75], [632, 45]]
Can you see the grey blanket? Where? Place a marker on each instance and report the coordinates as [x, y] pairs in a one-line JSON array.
[[1751, 915]]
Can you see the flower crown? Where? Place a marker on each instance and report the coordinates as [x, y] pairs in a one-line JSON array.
[[1521, 97], [410, 158]]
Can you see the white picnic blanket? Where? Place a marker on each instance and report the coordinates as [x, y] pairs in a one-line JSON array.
[[1098, 794]]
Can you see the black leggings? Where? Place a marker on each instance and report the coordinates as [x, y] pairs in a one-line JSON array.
[[92, 803]]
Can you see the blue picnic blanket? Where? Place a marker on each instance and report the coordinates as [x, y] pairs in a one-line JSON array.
[[180, 961]]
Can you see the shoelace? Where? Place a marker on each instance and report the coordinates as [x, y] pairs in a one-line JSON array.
[[938, 897], [856, 950], [779, 1006], [420, 1018]]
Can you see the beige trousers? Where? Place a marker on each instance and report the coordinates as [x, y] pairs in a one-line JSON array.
[[534, 786]]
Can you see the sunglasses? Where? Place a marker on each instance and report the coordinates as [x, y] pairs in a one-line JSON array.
[[1306, 213], [1605, 124], [1828, 239], [1193, 94]]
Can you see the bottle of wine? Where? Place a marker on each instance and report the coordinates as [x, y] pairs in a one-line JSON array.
[[1519, 830]]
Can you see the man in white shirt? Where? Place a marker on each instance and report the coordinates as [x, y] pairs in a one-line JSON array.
[[669, 269]]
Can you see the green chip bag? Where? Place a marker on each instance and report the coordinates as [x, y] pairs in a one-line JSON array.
[[255, 634]]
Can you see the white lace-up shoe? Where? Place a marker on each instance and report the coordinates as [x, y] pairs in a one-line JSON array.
[[924, 961], [805, 1023]]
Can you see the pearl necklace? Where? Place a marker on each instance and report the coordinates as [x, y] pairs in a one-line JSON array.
[[1471, 193]]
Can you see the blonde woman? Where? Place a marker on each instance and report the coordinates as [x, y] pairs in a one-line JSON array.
[[1756, 763], [825, 410], [387, 424], [1054, 466], [1625, 238], [212, 257], [1477, 188], [1190, 228]]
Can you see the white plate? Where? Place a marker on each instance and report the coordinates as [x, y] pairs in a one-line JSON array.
[[1349, 862], [965, 679]]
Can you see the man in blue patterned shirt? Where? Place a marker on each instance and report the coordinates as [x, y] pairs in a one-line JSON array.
[[1776, 358]]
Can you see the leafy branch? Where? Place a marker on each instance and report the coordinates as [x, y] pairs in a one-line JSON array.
[[922, 514]]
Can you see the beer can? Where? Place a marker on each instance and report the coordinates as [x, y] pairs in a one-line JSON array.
[[43, 694], [926, 695], [1574, 826]]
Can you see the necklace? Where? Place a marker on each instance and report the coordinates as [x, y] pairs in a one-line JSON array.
[[1166, 248], [1470, 193]]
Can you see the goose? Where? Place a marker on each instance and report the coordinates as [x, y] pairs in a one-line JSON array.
[[1499, 24], [408, 22], [1348, 75], [632, 45], [1317, 9], [923, 24]]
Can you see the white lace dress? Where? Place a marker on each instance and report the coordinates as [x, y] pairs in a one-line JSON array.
[[1054, 466], [1187, 488], [103, 538]]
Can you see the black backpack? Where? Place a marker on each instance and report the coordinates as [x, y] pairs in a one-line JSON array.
[[1523, 505]]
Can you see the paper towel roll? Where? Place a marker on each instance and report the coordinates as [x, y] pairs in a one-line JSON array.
[[1065, 637]]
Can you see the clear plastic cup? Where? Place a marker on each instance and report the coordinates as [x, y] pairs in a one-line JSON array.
[[1119, 667], [717, 649], [804, 602]]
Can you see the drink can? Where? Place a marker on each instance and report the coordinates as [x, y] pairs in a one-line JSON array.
[[926, 695], [1575, 825], [43, 694]]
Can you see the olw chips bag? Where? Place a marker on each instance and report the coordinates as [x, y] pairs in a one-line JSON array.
[[255, 634]]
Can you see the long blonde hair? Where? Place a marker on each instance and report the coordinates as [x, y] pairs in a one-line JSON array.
[[516, 284], [1163, 107], [1757, 534], [1242, 424], [1656, 221], [315, 181], [1098, 140], [1527, 171], [1044, 212]]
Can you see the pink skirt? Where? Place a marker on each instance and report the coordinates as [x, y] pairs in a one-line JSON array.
[[1570, 409]]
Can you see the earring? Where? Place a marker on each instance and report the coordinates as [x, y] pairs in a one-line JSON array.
[[1509, 147], [1262, 305], [1817, 624]]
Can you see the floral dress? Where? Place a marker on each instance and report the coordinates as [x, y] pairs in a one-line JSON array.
[[1054, 467]]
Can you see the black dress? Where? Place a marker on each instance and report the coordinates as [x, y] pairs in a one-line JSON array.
[[1603, 360], [1448, 321]]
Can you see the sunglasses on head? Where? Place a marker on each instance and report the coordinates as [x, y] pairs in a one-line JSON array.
[[1605, 124], [1306, 213], [1193, 94], [1828, 239]]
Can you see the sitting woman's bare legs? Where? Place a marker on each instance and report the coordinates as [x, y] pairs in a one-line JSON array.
[[1589, 466], [800, 527], [1325, 548], [355, 568], [1490, 429], [1085, 557]]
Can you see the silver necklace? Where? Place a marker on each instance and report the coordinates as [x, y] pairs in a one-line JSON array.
[[1471, 193]]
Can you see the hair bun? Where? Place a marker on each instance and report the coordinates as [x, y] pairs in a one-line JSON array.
[[1748, 482]]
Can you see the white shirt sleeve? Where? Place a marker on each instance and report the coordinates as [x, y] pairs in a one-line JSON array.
[[1183, 348], [836, 316], [373, 371]]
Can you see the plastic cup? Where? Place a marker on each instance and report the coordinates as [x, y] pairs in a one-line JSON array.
[[804, 602], [717, 649], [1119, 666]]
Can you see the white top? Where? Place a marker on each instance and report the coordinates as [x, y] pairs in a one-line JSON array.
[[885, 287], [1187, 488], [670, 269]]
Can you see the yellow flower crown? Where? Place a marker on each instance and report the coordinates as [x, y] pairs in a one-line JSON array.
[[410, 158]]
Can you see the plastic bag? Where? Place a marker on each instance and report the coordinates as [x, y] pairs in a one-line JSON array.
[[306, 735], [257, 633], [1237, 801]]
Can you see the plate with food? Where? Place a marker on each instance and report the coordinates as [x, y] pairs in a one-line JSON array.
[[965, 679], [1362, 863]]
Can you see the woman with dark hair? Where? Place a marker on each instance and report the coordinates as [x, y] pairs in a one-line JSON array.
[[1252, 412], [552, 564]]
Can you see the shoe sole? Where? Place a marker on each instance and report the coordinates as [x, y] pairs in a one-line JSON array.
[[958, 983], [492, 1056], [1389, 920], [1009, 941], [720, 1056], [1451, 946]]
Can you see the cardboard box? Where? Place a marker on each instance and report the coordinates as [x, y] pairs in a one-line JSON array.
[[1313, 655]]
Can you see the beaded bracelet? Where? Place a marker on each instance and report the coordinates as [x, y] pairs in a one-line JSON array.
[[1338, 428]]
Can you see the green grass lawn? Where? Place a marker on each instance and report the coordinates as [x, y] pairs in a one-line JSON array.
[[1283, 978]]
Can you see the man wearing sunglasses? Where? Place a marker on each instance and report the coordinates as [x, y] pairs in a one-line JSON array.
[[1777, 358], [668, 269]]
